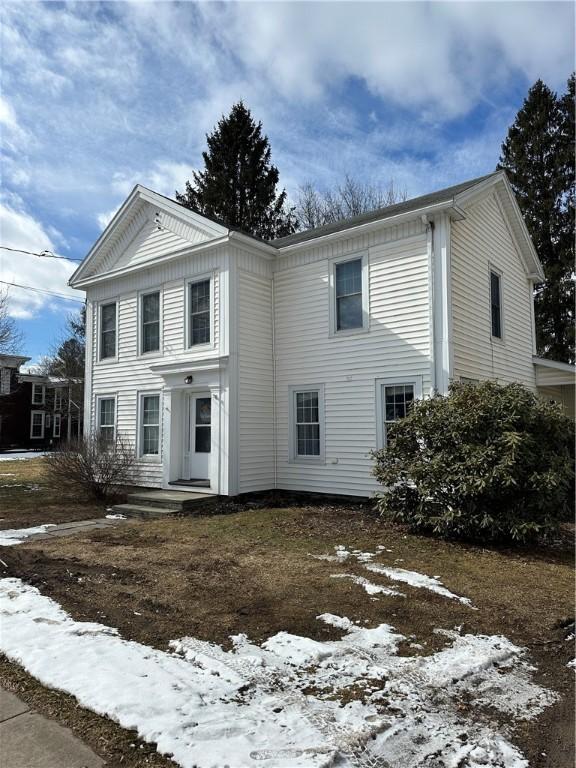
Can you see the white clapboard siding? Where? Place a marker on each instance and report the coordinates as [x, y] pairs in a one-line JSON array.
[[255, 383], [480, 241], [397, 344], [130, 374], [145, 236]]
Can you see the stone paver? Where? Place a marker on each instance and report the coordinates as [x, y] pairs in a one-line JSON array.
[[29, 740]]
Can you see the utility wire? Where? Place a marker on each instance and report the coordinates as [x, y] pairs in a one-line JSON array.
[[42, 290], [43, 254]]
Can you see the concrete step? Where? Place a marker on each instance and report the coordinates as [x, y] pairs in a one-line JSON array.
[[170, 500], [141, 511]]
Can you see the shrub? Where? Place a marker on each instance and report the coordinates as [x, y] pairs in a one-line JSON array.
[[93, 465], [486, 462]]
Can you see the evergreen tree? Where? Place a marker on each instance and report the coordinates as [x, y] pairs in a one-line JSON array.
[[238, 183], [538, 158]]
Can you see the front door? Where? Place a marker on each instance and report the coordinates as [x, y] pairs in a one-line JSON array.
[[200, 436]]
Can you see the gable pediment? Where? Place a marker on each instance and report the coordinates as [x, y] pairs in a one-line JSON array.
[[147, 227]]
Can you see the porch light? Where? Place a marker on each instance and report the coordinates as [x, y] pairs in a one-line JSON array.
[[188, 379]]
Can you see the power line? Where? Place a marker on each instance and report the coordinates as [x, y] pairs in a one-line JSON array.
[[42, 290], [42, 255]]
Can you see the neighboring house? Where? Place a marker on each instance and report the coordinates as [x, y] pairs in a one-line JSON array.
[[35, 410], [242, 365]]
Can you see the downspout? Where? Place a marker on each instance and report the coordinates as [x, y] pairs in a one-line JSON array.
[[431, 267], [274, 430]]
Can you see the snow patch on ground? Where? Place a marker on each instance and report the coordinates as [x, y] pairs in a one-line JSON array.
[[419, 580], [368, 586], [572, 664], [12, 536], [279, 704], [116, 517]]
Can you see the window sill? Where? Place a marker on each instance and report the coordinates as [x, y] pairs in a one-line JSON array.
[[351, 332]]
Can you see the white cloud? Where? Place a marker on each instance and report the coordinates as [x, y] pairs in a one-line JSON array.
[[440, 57], [20, 230]]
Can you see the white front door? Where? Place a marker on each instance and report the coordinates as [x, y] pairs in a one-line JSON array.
[[200, 425]]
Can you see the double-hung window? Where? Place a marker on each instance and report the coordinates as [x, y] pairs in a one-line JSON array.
[[38, 394], [5, 375], [393, 400], [349, 294], [57, 425], [150, 425], [496, 304], [37, 425], [307, 419], [107, 419], [199, 331], [57, 399], [150, 322], [108, 331]]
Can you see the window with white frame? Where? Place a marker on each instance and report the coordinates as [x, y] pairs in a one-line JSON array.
[[107, 419], [58, 399], [307, 419], [47, 420], [37, 425], [38, 394], [496, 304], [150, 425], [108, 331], [394, 400], [5, 377], [349, 294], [57, 425], [150, 322], [199, 331]]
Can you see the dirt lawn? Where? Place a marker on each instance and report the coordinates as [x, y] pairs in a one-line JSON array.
[[26, 498], [254, 572]]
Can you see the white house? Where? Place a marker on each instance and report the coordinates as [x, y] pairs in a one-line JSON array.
[[240, 365]]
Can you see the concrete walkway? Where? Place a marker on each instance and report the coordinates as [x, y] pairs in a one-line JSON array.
[[80, 526], [29, 740]]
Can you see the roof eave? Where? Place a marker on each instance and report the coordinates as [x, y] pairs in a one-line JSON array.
[[386, 221]]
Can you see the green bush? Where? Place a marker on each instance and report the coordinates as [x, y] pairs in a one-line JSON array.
[[486, 462]]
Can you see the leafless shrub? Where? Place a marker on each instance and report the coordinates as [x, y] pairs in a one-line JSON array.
[[93, 465]]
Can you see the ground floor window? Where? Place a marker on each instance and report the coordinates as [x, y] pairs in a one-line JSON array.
[[37, 425], [57, 424], [394, 397], [150, 425], [307, 419], [107, 419]]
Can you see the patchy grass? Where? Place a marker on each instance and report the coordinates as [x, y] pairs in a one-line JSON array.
[[253, 572], [27, 499]]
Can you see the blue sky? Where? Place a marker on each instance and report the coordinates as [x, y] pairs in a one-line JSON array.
[[99, 96]]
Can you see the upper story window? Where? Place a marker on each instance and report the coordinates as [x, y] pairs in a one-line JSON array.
[[199, 313], [108, 330], [107, 419], [496, 304], [38, 394], [307, 423], [5, 377], [349, 294], [150, 330], [57, 399]]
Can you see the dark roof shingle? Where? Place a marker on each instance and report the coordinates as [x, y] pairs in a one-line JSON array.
[[443, 195]]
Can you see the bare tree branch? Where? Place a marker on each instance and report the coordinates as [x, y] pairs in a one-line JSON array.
[[11, 338], [316, 207]]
